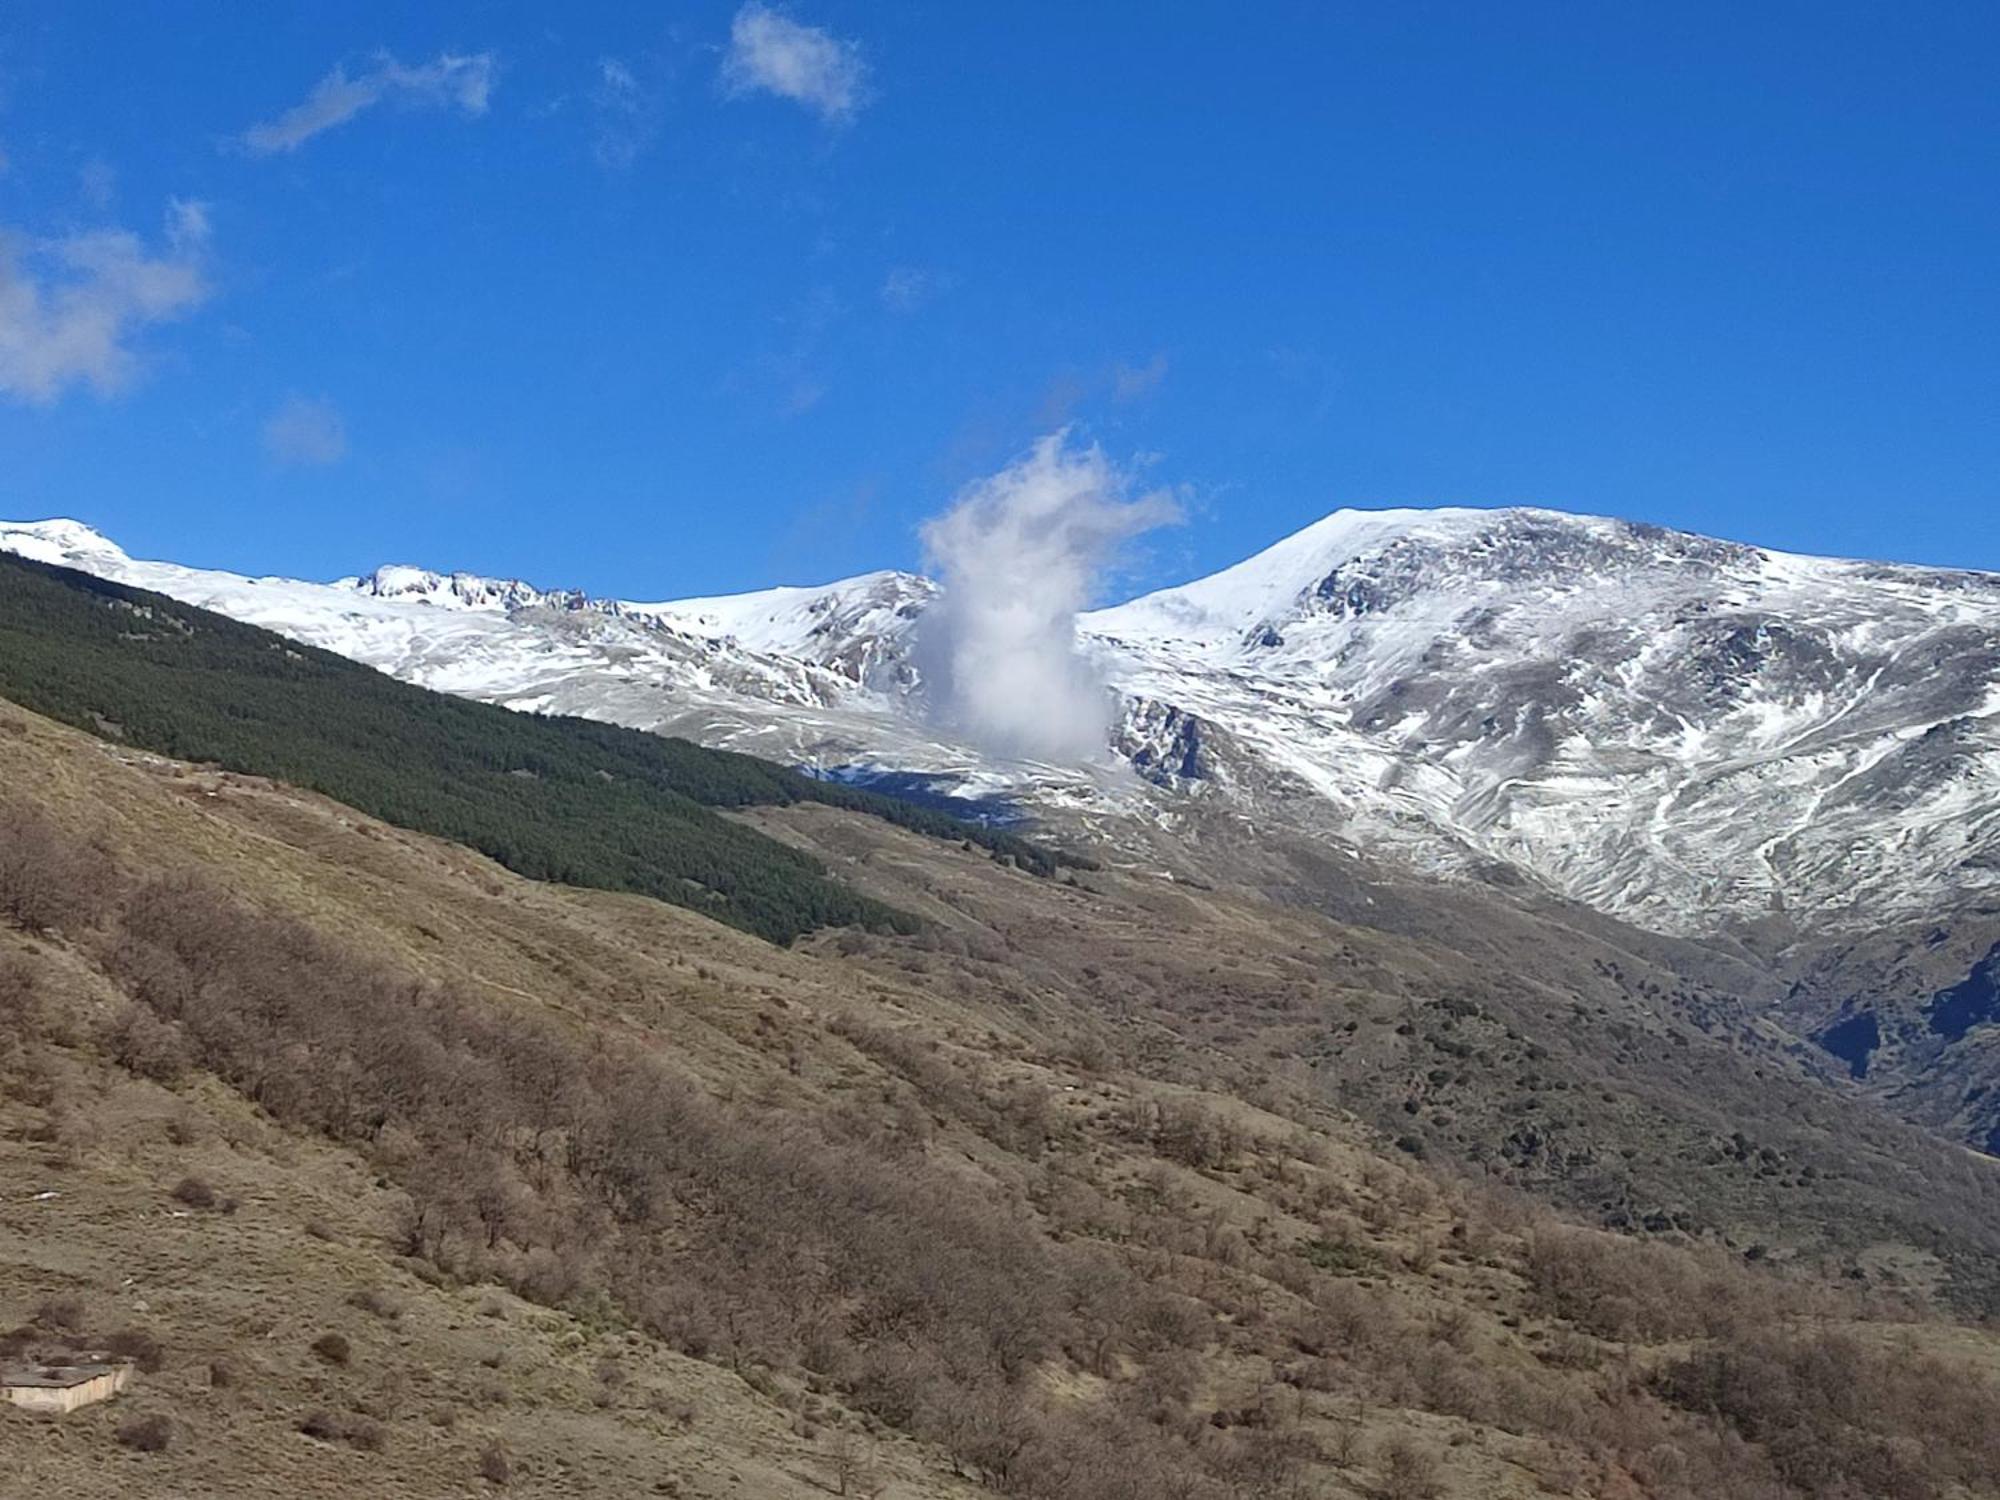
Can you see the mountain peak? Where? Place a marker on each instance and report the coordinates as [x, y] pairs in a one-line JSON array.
[[414, 585], [1363, 562], [59, 540]]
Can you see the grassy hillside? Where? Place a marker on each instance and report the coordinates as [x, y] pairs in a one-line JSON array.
[[551, 798], [601, 1198], [1488, 1040]]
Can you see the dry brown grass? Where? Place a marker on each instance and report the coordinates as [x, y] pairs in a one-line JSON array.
[[1254, 1293]]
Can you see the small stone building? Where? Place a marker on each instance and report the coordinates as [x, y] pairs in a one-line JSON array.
[[80, 1380]]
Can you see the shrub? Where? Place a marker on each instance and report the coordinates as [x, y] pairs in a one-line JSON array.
[[147, 1434], [20, 1008], [48, 880], [1409, 1473], [376, 1302], [322, 1424], [140, 1042], [195, 1193], [495, 1467], [333, 1427], [65, 1314], [333, 1348], [1832, 1414], [140, 1345]]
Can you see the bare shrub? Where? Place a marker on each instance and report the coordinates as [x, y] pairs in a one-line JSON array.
[[847, 1466], [377, 1303], [363, 1433], [140, 1345], [322, 1424], [195, 1192], [495, 1467], [66, 1314], [20, 1005], [1625, 1289], [150, 1434], [140, 1042], [1830, 1413], [48, 879], [1194, 1135], [333, 1348], [187, 1126], [1409, 1472]]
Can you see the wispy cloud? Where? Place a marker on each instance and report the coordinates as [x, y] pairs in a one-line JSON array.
[[453, 81], [1134, 382], [97, 183], [306, 432], [628, 115], [771, 53], [786, 371], [71, 307], [907, 288]]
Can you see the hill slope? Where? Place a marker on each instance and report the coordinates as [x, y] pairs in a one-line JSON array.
[[555, 799], [932, 1209]]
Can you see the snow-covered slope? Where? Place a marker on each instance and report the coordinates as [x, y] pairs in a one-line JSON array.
[[815, 676], [1664, 726], [1677, 730]]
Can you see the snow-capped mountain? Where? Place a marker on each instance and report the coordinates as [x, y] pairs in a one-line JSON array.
[[1664, 726], [1681, 731]]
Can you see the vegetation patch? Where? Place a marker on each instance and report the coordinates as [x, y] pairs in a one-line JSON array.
[[557, 799]]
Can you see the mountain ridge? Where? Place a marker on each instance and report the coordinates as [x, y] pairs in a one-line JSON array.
[[1694, 734]]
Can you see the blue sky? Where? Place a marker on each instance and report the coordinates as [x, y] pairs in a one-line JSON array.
[[661, 300]]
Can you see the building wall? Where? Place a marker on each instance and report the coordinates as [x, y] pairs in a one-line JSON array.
[[56, 1400]]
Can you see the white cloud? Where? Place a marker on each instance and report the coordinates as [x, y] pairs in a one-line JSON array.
[[907, 288], [70, 307], [1019, 554], [187, 225], [772, 53], [457, 81], [628, 115], [306, 431]]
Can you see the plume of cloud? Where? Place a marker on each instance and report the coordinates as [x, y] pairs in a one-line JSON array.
[[771, 53], [462, 81], [70, 307], [1019, 554], [306, 431]]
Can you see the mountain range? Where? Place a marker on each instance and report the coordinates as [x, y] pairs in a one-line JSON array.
[[1694, 735]]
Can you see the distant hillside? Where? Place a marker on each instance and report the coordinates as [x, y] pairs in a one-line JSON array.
[[406, 1177], [556, 799]]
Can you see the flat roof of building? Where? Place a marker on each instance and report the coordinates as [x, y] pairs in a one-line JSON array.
[[59, 1376]]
